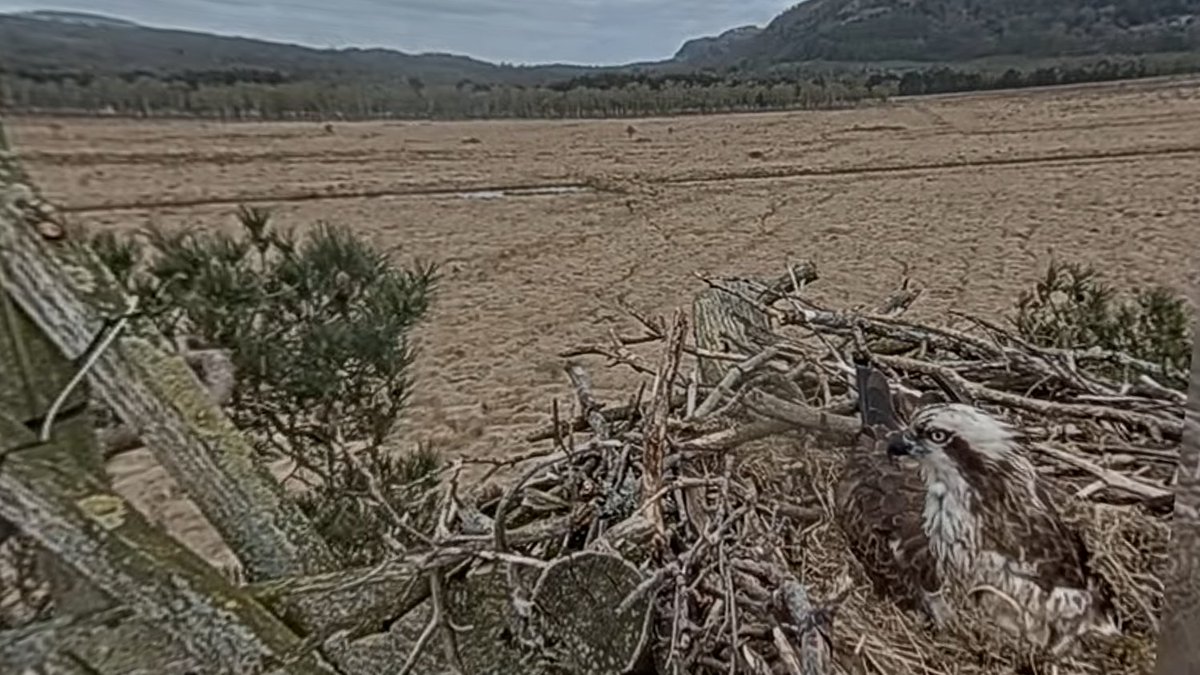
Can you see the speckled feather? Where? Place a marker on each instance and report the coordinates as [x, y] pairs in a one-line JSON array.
[[879, 504]]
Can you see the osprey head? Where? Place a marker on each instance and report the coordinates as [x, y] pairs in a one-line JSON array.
[[950, 429]]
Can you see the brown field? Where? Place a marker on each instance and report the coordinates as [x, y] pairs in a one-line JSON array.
[[973, 194]]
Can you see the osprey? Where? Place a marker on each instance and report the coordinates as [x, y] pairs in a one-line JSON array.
[[993, 532], [879, 504]]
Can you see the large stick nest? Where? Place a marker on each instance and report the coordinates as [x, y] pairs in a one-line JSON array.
[[720, 493]]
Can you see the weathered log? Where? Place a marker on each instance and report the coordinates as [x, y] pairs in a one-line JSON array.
[[215, 370], [34, 381], [69, 294], [112, 641], [354, 604], [582, 632], [723, 322], [98, 536], [476, 604], [631, 538], [575, 622], [481, 601], [729, 322]]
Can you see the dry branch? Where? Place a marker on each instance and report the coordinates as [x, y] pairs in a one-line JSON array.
[[656, 434]]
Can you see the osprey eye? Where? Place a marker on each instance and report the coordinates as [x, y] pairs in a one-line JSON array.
[[938, 436]]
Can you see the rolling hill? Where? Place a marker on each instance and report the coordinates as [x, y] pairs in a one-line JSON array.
[[68, 41]]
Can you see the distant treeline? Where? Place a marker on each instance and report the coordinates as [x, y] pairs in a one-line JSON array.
[[240, 93], [943, 80]]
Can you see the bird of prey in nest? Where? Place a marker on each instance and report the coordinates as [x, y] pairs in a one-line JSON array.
[[969, 524], [879, 502]]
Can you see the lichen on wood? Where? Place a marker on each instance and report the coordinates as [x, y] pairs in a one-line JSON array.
[[111, 641], [170, 588]]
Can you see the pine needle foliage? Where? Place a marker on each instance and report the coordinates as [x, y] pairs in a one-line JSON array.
[[317, 328], [1072, 308]]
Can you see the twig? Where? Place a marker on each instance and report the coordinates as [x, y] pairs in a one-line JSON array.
[[801, 415], [449, 642], [590, 409], [415, 653], [94, 355], [1110, 478], [656, 434], [1171, 428], [735, 436], [725, 386]]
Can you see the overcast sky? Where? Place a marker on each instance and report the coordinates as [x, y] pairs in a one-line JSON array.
[[517, 31]]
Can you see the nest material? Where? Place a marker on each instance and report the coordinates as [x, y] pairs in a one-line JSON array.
[[721, 491]]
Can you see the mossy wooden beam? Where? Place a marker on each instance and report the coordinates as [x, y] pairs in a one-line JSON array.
[[71, 297], [112, 641], [32, 374], [178, 599], [355, 603]]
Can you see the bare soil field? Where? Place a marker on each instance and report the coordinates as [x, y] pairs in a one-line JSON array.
[[972, 195]]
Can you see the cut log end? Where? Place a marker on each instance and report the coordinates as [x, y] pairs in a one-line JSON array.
[[576, 598]]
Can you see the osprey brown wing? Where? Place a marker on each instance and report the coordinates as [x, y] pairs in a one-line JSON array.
[[879, 503], [1037, 535]]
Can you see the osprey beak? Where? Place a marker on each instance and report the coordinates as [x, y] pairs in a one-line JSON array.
[[901, 444]]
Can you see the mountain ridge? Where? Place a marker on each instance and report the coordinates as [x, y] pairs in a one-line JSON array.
[[716, 46]]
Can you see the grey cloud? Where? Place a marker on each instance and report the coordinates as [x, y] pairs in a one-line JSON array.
[[517, 31]]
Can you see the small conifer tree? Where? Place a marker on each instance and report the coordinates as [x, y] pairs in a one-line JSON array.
[[317, 330]]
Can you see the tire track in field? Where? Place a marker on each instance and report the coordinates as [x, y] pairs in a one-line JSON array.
[[698, 178]]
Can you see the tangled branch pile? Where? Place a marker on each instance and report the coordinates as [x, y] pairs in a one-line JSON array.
[[716, 486]]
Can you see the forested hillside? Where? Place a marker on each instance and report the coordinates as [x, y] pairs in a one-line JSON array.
[[960, 30]]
